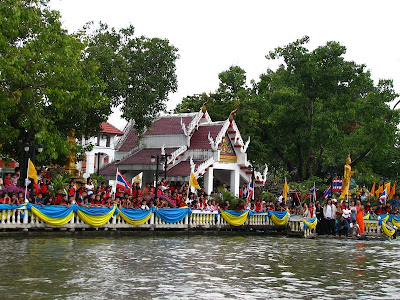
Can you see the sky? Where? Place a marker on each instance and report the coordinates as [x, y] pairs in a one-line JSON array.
[[213, 35]]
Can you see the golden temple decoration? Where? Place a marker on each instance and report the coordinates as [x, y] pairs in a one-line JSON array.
[[233, 113]]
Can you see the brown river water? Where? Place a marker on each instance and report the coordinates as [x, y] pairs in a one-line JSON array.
[[200, 266]]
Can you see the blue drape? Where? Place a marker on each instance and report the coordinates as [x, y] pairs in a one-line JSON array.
[[52, 211], [136, 214], [238, 213], [172, 215]]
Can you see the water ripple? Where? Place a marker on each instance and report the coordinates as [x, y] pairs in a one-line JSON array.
[[199, 267]]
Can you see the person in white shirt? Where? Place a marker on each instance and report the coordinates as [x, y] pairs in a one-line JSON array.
[[89, 186], [346, 212], [329, 215]]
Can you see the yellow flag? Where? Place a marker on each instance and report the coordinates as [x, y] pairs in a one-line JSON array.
[[387, 188], [392, 192], [32, 171], [373, 189], [193, 181], [379, 191], [285, 190]]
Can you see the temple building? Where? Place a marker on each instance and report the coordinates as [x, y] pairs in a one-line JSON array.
[[191, 142], [104, 149]]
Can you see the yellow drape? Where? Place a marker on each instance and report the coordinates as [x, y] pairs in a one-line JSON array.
[[386, 230], [96, 221], [52, 221], [280, 222], [234, 220], [311, 225], [135, 222], [366, 217], [396, 223]]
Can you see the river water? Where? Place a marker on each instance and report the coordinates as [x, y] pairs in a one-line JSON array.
[[205, 266]]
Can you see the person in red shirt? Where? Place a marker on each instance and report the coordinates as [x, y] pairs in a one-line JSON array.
[[6, 199], [7, 179]]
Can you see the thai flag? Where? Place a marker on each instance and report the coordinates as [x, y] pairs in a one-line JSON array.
[[122, 182], [328, 192], [337, 185], [382, 197], [250, 190]]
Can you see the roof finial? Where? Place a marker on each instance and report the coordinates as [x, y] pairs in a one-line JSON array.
[[233, 114], [204, 107]]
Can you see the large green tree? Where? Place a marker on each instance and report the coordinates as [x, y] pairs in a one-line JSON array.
[[48, 86], [139, 71], [306, 116], [53, 82]]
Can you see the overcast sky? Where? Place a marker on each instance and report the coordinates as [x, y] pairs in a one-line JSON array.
[[213, 35]]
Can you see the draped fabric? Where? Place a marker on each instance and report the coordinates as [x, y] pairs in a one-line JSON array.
[[52, 215], [311, 223], [9, 206], [172, 215], [135, 217], [388, 230], [96, 216], [235, 218], [367, 216], [279, 218], [396, 221], [384, 217]]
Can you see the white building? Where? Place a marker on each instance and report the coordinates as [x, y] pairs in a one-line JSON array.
[[194, 143], [103, 151]]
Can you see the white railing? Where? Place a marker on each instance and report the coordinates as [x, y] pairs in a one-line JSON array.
[[174, 155], [201, 169], [194, 123], [20, 219]]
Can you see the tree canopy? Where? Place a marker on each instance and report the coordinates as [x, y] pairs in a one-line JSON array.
[[53, 82], [306, 116]]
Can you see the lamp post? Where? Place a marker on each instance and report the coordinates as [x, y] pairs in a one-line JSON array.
[[153, 159], [98, 163], [30, 153]]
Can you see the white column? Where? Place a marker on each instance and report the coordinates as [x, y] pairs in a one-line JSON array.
[[235, 181], [208, 180]]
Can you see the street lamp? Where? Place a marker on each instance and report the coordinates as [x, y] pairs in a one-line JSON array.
[[98, 162], [153, 159]]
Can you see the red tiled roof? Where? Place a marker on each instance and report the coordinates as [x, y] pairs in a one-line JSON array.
[[130, 141], [200, 140], [109, 169], [168, 125], [108, 128], [182, 169], [143, 157]]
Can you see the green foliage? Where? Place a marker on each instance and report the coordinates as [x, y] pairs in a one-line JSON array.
[[268, 196], [226, 195], [48, 86], [139, 71], [97, 180], [59, 180], [52, 82], [306, 116]]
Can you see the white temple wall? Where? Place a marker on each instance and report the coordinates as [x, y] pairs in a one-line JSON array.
[[157, 141]]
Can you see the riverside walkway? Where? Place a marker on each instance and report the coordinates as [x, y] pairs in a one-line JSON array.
[[34, 218]]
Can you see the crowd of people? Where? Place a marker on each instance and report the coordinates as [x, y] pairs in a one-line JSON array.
[[334, 217]]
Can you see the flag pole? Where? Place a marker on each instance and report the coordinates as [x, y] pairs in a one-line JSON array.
[[115, 183], [26, 181]]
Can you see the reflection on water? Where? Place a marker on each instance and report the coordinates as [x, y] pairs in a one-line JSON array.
[[198, 267]]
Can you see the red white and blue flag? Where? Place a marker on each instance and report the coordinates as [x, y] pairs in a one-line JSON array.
[[328, 192], [250, 191], [121, 181], [337, 185], [382, 197]]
